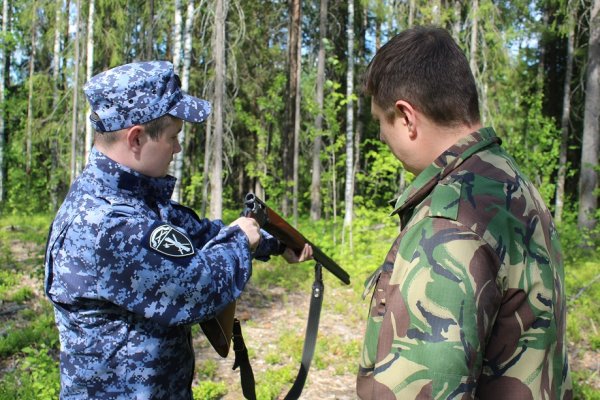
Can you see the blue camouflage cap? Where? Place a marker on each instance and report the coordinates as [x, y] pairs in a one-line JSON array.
[[136, 93]]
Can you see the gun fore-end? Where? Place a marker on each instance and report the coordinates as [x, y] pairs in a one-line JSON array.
[[271, 222]]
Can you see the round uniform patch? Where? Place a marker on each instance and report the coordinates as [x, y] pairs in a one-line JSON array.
[[169, 241]]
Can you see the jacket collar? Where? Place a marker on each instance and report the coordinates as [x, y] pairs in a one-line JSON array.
[[446, 162], [119, 178]]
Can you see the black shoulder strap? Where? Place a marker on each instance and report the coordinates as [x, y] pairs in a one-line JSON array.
[[310, 340]]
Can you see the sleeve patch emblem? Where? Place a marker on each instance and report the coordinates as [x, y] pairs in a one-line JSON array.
[[169, 241]]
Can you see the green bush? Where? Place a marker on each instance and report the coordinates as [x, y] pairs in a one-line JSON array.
[[36, 377], [208, 390]]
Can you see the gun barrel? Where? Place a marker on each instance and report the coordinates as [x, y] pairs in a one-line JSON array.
[[271, 222]]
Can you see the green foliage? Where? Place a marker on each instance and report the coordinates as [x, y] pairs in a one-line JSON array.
[[36, 376], [207, 369], [208, 390], [273, 382], [582, 390], [39, 331], [379, 176], [535, 148]]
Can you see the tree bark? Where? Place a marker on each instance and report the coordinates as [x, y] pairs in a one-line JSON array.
[[177, 37], [54, 144], [566, 112], [3, 53], [74, 171], [295, 166], [588, 180], [150, 32], [28, 133], [185, 83], [349, 184], [216, 179], [89, 134], [288, 138], [315, 187]]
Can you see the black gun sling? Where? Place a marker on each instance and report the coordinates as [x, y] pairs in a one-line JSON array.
[[241, 353]]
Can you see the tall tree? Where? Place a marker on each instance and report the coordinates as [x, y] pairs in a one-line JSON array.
[[88, 74], [185, 80], [296, 155], [349, 183], [216, 178], [588, 180], [3, 52], [55, 144], [75, 84], [315, 187], [29, 132], [566, 113], [292, 91]]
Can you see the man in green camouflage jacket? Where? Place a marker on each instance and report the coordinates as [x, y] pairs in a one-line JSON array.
[[469, 302]]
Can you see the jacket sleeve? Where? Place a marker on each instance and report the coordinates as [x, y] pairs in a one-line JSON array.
[[158, 271]]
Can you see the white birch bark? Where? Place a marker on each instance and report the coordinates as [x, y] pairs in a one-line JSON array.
[[349, 184], [177, 37], [185, 83], [89, 134], [74, 171], [2, 88]]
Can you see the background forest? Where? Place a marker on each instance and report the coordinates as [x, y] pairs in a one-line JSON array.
[[291, 124]]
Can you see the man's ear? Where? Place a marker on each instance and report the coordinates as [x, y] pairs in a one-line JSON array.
[[409, 116], [135, 138]]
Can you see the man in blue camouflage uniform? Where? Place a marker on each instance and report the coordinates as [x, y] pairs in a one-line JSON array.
[[129, 270], [469, 302]]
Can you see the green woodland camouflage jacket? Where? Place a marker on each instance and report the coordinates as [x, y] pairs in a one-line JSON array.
[[469, 302]]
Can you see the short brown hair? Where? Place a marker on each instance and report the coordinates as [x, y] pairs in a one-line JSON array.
[[425, 67]]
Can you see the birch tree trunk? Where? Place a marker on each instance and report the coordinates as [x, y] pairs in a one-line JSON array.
[[315, 187], [456, 24], [349, 184], [177, 37], [3, 51], [89, 134], [436, 11], [473, 45], [566, 112], [588, 179], [176, 58], [185, 83], [28, 133], [75, 96], [216, 182]]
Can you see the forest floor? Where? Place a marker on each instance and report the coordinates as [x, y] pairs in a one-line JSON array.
[[273, 321], [265, 318]]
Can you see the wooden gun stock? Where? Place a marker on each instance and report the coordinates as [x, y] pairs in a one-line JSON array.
[[271, 222]]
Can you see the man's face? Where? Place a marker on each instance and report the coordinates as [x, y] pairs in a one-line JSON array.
[[156, 155]]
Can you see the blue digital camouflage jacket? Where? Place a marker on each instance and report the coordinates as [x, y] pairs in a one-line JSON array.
[[129, 271]]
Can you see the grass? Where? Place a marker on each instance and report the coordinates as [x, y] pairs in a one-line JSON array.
[[29, 341]]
